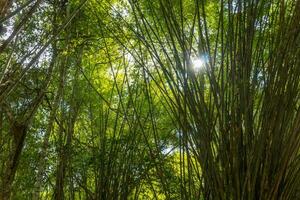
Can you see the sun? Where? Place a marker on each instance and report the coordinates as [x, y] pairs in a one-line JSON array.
[[198, 64]]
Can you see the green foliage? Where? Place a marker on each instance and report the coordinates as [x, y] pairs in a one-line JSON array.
[[114, 108]]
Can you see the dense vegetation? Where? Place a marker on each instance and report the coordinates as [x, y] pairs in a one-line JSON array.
[[149, 99]]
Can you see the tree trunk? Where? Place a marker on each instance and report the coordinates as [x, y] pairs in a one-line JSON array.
[[19, 133]]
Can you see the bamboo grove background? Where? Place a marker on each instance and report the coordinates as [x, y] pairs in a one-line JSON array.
[[101, 99]]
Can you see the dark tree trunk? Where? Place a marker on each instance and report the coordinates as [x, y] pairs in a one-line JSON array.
[[19, 133]]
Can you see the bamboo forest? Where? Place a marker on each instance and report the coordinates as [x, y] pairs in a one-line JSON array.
[[150, 99]]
